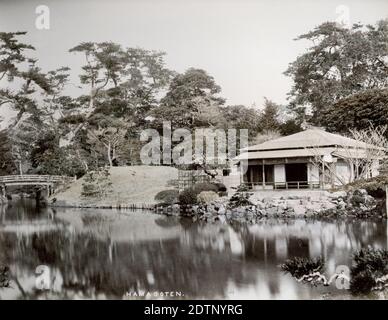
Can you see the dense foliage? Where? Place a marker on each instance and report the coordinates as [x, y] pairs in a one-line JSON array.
[[4, 276], [341, 62], [299, 266], [188, 197], [205, 186], [374, 186], [192, 101], [209, 189], [369, 270], [7, 166], [96, 184], [167, 196], [240, 198], [369, 265], [358, 111], [340, 82]]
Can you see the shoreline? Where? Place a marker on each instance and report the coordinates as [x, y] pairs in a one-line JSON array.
[[242, 214]]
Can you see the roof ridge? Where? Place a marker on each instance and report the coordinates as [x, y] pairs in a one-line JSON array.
[[312, 137]]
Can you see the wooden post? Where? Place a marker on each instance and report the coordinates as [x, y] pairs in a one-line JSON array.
[[48, 190], [263, 169], [386, 209], [241, 175], [386, 200]]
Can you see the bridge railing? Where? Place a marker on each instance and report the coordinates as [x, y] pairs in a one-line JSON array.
[[34, 178]]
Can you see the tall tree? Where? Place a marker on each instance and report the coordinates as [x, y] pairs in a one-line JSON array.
[[192, 101], [107, 135], [340, 62], [269, 116], [104, 61], [54, 103], [25, 138], [358, 111], [24, 85], [240, 117], [143, 79], [7, 166], [124, 84], [15, 66]]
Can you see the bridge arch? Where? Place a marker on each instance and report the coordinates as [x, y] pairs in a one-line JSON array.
[[48, 181]]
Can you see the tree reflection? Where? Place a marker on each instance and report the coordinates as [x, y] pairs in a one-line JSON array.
[[92, 258], [88, 264]]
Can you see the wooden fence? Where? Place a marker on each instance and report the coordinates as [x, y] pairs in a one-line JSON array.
[[188, 178]]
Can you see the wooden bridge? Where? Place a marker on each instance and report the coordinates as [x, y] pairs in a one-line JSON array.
[[47, 181]]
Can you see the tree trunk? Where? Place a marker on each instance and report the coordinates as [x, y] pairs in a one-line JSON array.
[[20, 168], [72, 134], [386, 200], [110, 155], [85, 164]]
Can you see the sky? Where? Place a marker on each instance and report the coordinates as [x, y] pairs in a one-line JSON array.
[[246, 45]]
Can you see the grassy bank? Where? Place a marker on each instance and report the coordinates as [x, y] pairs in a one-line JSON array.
[[133, 185]]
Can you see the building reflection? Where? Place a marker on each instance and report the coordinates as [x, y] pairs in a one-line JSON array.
[[109, 257]]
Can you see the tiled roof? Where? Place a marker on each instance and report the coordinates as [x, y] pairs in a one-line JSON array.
[[310, 138]]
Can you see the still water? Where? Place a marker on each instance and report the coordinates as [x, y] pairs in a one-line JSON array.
[[107, 254]]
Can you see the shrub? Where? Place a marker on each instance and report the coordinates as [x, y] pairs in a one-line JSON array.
[[369, 264], [242, 188], [167, 196], [221, 187], [357, 199], [187, 196], [207, 196], [240, 198], [374, 186], [374, 260], [96, 184], [4, 276], [298, 267], [205, 186], [217, 187], [362, 283]]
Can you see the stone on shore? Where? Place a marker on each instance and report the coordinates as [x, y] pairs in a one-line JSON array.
[[357, 203]]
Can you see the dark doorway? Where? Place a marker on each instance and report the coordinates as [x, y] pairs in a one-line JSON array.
[[269, 176], [296, 172], [255, 174]]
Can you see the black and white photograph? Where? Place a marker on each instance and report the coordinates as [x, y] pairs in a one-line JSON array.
[[193, 150]]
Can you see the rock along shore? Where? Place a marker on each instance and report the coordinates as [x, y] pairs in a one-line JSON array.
[[341, 204]]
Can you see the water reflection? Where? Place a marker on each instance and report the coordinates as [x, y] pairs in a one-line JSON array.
[[104, 254]]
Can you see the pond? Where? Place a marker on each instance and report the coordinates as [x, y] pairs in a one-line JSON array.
[[107, 254]]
